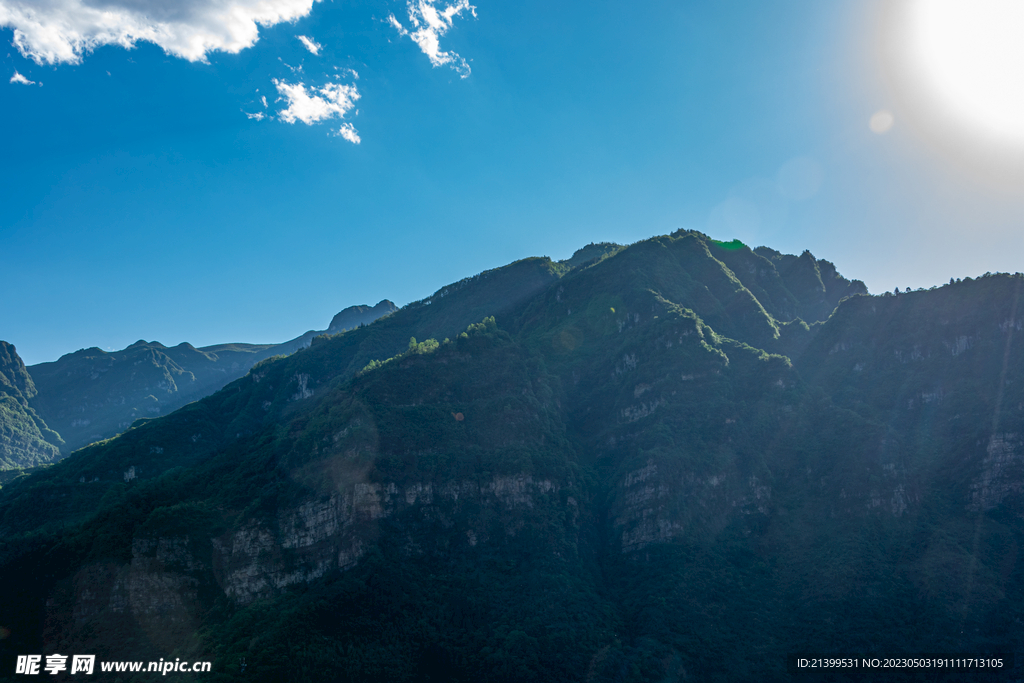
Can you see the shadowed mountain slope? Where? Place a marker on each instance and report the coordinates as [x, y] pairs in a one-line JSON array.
[[814, 285], [617, 477]]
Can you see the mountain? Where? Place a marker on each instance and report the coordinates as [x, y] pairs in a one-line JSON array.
[[25, 440], [592, 252], [354, 316], [662, 463], [92, 394]]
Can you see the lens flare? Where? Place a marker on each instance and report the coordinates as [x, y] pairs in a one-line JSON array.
[[881, 121]]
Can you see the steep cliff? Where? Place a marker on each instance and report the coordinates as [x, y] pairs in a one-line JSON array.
[[25, 439]]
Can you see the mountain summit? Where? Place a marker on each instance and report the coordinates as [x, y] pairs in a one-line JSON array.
[[354, 316]]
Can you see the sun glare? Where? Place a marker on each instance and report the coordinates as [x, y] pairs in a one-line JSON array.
[[970, 55]]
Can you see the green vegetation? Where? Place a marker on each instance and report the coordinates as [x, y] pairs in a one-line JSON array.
[[644, 466], [732, 245], [25, 439]]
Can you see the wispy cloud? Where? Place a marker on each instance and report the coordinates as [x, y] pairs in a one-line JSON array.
[[348, 131], [311, 44], [293, 69], [55, 31], [259, 115], [314, 105], [18, 78], [352, 73], [428, 25]]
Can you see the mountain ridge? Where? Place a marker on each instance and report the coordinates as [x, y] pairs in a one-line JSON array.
[[84, 397], [628, 470]]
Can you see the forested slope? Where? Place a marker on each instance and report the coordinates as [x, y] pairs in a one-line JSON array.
[[641, 465]]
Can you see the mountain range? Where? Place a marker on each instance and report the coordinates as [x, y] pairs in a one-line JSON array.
[[682, 459], [91, 394]]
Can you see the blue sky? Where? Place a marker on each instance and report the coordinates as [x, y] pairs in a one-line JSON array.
[[138, 199]]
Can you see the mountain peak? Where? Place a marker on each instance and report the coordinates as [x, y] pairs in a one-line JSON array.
[[13, 373], [354, 316], [592, 252], [143, 342]]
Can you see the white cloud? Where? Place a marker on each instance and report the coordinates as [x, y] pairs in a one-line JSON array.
[[398, 27], [428, 25], [18, 78], [348, 131], [348, 72], [311, 44], [259, 116], [333, 100], [263, 99], [54, 31], [293, 69]]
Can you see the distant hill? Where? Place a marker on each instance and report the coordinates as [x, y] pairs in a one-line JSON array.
[[91, 394]]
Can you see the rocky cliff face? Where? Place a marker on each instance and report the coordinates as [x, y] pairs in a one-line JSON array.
[[154, 598], [14, 377], [159, 588], [657, 507], [316, 538], [25, 439], [1001, 479]]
